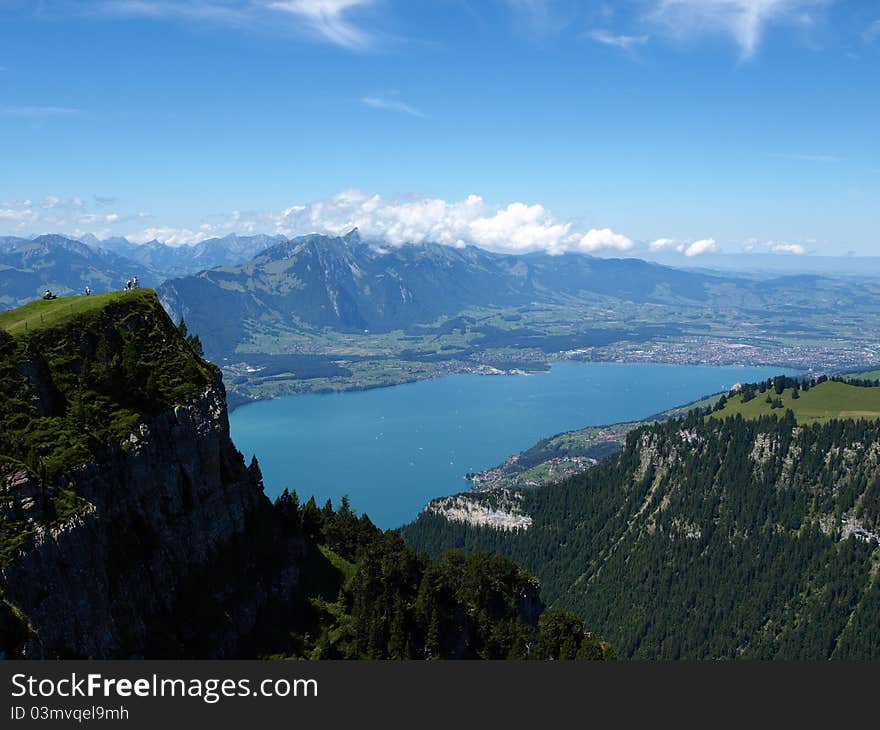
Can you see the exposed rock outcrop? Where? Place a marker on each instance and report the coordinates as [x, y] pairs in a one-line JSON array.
[[171, 512]]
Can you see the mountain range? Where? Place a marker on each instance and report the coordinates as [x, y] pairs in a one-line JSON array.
[[349, 285], [290, 296], [30, 266], [67, 265], [172, 261], [336, 312]]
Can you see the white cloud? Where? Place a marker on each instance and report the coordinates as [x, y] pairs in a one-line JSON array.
[[17, 215], [746, 21], [792, 248], [698, 248], [754, 245], [662, 244], [517, 227], [520, 228], [171, 236], [331, 19], [58, 214], [53, 202], [394, 105], [89, 219], [514, 228], [690, 249], [596, 240], [625, 42]]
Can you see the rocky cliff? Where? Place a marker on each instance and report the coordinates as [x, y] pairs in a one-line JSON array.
[[157, 543]]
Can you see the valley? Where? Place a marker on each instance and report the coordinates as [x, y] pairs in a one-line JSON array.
[[322, 314]]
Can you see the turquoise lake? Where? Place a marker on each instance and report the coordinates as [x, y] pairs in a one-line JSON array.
[[391, 450]]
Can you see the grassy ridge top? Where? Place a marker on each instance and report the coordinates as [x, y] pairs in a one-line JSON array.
[[77, 373], [821, 403], [43, 314]]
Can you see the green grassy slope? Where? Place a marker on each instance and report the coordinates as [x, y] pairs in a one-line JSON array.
[[41, 314], [819, 404], [80, 372]]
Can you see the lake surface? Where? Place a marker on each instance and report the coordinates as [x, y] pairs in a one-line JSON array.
[[391, 450]]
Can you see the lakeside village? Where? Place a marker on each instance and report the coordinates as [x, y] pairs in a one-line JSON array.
[[850, 357]]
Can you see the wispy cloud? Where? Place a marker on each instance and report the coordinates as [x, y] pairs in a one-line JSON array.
[[38, 112], [207, 10], [872, 32], [61, 214], [53, 202], [331, 19], [538, 17], [624, 42], [392, 105], [755, 245], [663, 244], [746, 21], [791, 248]]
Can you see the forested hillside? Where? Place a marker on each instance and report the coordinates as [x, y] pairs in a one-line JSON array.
[[726, 538], [366, 595]]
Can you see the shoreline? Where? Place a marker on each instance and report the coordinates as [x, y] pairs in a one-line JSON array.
[[238, 400]]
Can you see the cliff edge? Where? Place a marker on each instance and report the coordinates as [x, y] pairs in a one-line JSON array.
[[129, 519]]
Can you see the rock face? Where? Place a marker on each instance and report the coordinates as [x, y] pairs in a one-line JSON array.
[[170, 535], [500, 509]]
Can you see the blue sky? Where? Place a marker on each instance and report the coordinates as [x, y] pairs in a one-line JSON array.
[[638, 126]]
